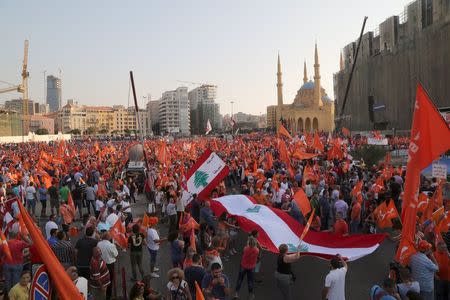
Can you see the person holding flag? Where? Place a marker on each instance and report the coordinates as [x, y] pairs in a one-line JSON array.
[[284, 276]]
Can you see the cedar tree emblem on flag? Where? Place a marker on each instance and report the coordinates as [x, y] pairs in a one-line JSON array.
[[200, 179]]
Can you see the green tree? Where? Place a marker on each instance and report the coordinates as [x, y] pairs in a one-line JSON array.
[[90, 130], [75, 131], [41, 131], [103, 131], [127, 131], [371, 154]]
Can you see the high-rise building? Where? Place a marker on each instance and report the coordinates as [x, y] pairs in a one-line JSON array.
[[153, 116], [54, 94], [203, 108], [17, 106], [174, 112]]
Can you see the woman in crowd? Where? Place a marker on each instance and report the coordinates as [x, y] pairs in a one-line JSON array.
[[177, 287]]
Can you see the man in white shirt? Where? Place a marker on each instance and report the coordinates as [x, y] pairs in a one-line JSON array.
[[153, 242], [109, 255], [50, 225], [334, 288], [30, 196]]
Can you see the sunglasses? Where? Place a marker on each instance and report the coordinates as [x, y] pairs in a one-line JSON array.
[[175, 277]]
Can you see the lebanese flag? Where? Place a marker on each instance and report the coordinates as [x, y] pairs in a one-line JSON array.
[[430, 137], [206, 174], [276, 227]]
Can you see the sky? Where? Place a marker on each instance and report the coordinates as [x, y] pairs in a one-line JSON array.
[[232, 44]]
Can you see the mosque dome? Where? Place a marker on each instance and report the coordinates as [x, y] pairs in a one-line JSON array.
[[325, 98], [308, 86]]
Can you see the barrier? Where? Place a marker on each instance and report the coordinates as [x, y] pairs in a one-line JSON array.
[[31, 137]]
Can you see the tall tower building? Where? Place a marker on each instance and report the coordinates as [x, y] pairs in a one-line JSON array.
[[279, 83], [54, 93], [317, 86], [305, 73]]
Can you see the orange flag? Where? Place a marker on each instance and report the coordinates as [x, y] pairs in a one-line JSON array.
[[357, 189], [64, 285], [283, 131], [70, 202], [198, 292], [345, 131], [192, 243], [302, 201], [269, 160], [430, 137], [22, 228], [5, 246], [118, 234], [317, 144], [385, 213], [308, 225], [145, 220]]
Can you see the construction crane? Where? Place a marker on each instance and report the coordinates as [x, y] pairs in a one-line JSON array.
[[23, 87], [193, 83]]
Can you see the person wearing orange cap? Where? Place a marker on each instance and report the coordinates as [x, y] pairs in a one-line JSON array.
[[423, 267]]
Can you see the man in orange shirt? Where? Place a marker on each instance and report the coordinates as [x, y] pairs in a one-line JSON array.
[[355, 216], [443, 280], [340, 227]]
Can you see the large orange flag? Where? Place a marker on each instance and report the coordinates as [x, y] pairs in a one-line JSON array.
[[64, 285], [430, 137], [302, 202], [317, 144], [282, 130]]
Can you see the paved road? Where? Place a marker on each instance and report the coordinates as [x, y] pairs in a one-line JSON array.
[[310, 271]]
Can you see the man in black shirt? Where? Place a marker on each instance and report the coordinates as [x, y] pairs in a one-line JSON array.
[[194, 273], [83, 252], [54, 198], [135, 242]]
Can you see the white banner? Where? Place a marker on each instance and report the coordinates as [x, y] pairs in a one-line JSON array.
[[439, 171], [378, 142]]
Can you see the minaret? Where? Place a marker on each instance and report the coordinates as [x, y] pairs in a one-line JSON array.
[[279, 84], [341, 63], [305, 74], [317, 86]]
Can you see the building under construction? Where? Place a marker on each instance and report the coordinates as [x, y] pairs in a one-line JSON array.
[[406, 49]]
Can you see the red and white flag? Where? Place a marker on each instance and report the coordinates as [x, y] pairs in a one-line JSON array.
[[206, 174], [276, 227], [208, 127]]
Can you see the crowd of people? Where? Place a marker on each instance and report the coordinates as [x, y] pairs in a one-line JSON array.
[[83, 196]]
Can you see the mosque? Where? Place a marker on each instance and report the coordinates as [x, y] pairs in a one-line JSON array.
[[311, 110]]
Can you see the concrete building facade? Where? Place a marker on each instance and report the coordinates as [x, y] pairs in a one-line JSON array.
[[10, 123], [203, 107], [17, 106], [173, 111], [153, 116], [406, 49], [41, 122], [54, 93]]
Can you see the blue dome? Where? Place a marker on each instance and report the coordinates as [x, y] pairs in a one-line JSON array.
[[308, 86], [325, 98]]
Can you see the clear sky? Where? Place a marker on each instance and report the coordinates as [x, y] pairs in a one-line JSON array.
[[232, 44]]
